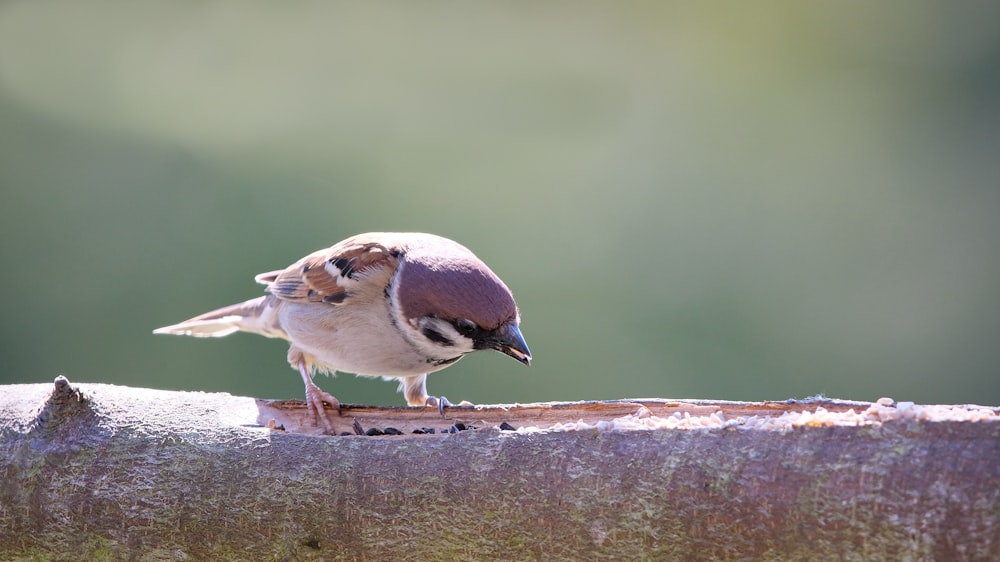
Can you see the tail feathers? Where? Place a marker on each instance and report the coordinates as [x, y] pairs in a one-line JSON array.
[[215, 328], [256, 316]]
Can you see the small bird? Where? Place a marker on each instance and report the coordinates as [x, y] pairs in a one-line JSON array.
[[385, 304]]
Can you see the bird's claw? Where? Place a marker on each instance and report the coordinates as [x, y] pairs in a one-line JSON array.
[[315, 401], [440, 402], [316, 396]]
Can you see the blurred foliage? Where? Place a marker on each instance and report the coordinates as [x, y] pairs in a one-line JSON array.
[[716, 200]]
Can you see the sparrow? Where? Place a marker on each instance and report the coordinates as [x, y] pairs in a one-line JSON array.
[[381, 304]]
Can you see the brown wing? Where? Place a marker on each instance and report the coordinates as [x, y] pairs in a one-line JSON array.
[[329, 276]]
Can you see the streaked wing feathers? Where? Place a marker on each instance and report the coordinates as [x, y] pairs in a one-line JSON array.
[[330, 275]]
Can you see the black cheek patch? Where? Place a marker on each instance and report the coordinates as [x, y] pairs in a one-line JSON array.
[[436, 336]]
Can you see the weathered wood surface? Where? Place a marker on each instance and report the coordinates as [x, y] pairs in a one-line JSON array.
[[95, 471], [293, 416]]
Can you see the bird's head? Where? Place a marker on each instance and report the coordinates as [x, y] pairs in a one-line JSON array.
[[448, 303]]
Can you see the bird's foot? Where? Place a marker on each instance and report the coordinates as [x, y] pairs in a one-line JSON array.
[[316, 398], [439, 402]]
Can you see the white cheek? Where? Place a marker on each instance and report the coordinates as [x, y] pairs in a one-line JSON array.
[[412, 331]]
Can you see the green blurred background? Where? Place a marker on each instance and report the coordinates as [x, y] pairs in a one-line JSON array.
[[692, 200]]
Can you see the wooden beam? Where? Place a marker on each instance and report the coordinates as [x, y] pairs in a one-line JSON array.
[[98, 471]]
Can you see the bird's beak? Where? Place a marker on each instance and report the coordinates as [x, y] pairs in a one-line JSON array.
[[507, 339]]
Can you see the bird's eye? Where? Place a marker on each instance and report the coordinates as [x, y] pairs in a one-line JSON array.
[[465, 325]]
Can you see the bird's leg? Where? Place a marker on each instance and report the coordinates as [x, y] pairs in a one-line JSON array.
[[316, 396], [415, 391]]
